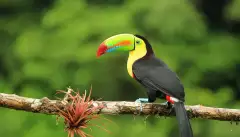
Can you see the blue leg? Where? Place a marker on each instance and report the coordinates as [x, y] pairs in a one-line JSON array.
[[142, 100]]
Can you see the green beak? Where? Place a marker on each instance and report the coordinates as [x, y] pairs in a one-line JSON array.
[[120, 42]]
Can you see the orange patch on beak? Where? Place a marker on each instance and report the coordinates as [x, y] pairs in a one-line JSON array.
[[126, 42]]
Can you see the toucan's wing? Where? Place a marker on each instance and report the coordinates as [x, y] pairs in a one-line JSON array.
[[160, 78]]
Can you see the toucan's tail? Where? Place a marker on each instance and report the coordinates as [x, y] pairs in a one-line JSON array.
[[183, 120]]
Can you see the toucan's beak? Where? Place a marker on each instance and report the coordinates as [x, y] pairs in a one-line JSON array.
[[120, 42], [101, 49]]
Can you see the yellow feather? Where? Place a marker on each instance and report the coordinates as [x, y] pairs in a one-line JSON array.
[[139, 52]]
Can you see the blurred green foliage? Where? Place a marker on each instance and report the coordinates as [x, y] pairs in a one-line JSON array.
[[50, 45]]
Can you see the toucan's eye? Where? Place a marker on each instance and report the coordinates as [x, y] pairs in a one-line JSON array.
[[137, 41]]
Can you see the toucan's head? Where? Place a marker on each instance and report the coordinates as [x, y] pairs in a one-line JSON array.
[[125, 42]]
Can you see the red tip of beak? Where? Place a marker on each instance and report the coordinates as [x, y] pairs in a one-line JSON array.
[[102, 49]]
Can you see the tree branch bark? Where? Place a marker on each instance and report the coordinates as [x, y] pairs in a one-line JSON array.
[[47, 106]]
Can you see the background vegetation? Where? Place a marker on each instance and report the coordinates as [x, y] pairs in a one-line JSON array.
[[50, 45]]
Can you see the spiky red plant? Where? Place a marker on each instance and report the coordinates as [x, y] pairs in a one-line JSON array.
[[78, 112]]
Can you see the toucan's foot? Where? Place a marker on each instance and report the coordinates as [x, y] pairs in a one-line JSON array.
[[142, 100], [168, 106]]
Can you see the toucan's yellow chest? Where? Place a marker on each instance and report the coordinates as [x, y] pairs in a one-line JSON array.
[[131, 60], [139, 52]]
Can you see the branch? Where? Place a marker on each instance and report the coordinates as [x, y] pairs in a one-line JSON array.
[[46, 106]]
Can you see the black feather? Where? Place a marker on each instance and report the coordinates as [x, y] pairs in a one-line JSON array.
[[183, 120]]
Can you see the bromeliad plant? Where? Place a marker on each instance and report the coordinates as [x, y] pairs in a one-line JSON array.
[[78, 112]]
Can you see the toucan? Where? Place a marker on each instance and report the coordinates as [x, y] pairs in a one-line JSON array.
[[152, 73]]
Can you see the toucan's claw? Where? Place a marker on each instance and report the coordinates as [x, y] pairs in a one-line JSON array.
[[168, 106], [170, 110], [141, 100]]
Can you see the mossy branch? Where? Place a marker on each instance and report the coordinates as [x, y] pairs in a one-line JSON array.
[[47, 106]]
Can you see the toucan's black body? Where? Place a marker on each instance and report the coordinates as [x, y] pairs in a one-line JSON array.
[[160, 81]]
